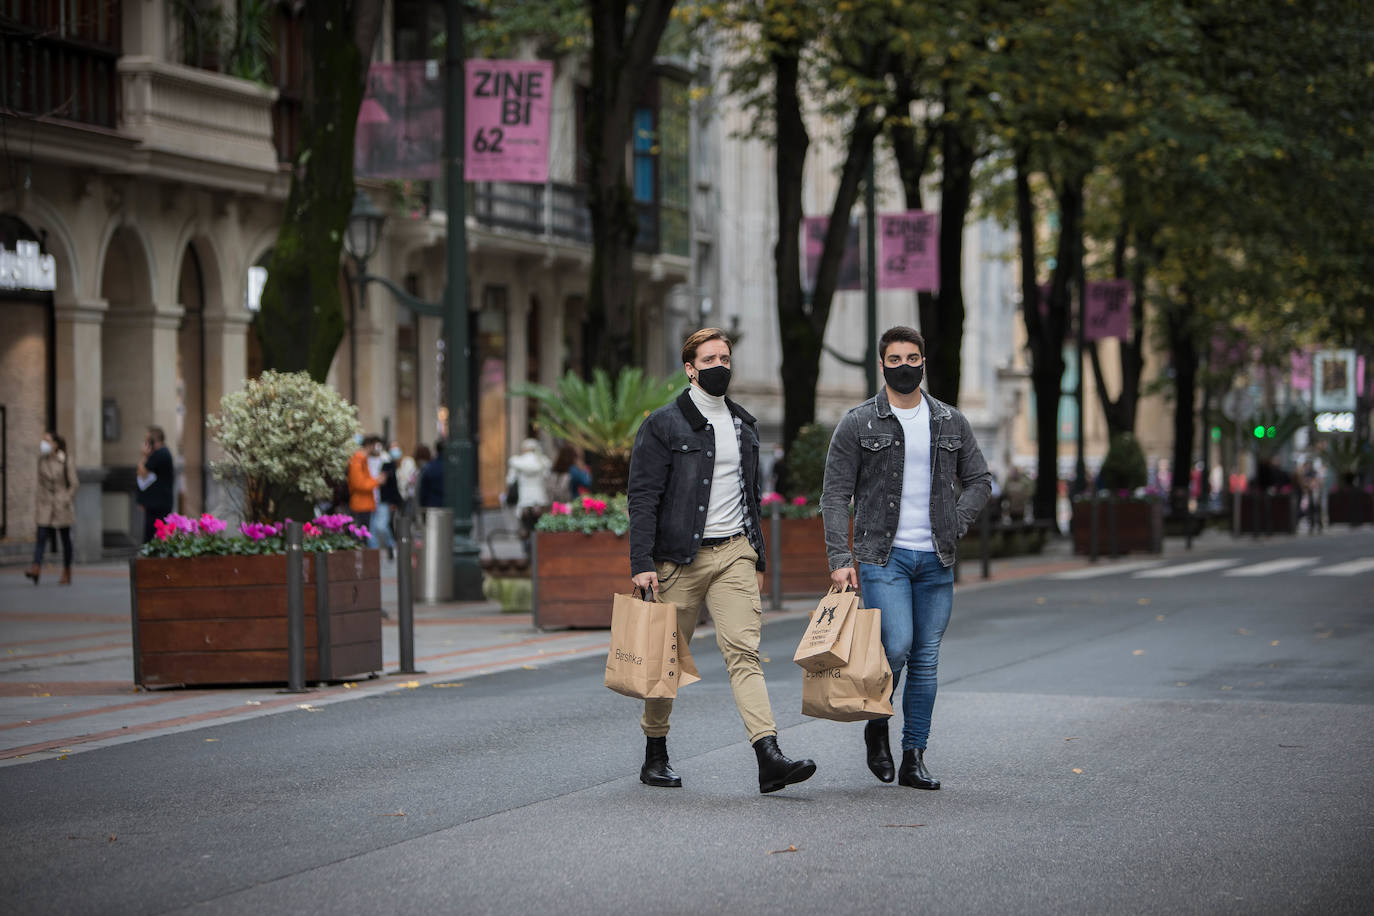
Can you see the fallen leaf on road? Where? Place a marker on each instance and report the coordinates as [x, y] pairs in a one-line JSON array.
[[63, 757], [765, 659], [252, 702], [112, 838], [42, 694], [1040, 600], [394, 814], [1228, 687], [1241, 631], [1325, 634], [1074, 738], [1138, 652], [1180, 683], [1078, 770], [529, 667], [349, 685], [903, 825], [454, 684], [1159, 617], [208, 740], [1274, 643], [307, 707], [773, 852], [1142, 602], [411, 685]]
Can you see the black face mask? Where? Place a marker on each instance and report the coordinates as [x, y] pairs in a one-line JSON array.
[[903, 379], [714, 381]]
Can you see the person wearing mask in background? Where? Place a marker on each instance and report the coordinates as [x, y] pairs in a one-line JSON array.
[[431, 489], [53, 512], [529, 471], [389, 500], [363, 486], [156, 478], [916, 477], [695, 539], [410, 474]]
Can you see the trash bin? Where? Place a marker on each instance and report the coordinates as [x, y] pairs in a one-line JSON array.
[[434, 557]]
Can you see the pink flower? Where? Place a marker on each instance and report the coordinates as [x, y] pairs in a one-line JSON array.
[[359, 531], [799, 500], [210, 525], [597, 506], [162, 529], [338, 522], [560, 509], [313, 531], [181, 524], [770, 498]]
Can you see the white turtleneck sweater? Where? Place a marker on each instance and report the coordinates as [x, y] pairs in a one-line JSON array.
[[725, 512]]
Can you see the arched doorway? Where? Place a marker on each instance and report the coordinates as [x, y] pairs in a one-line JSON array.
[[28, 373]]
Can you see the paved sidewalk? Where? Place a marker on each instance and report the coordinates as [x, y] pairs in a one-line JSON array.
[[66, 669]]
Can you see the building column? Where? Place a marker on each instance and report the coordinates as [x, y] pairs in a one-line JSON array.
[[517, 359], [78, 398]]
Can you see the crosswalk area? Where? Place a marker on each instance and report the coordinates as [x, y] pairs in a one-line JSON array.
[[1229, 567]]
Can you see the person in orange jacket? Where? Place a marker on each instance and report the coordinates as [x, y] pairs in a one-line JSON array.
[[362, 486]]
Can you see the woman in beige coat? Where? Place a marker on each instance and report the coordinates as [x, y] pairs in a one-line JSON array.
[[56, 492]]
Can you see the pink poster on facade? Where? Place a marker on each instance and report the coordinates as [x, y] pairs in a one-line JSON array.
[[507, 129], [1107, 310], [1300, 370], [909, 250], [813, 245], [400, 131]]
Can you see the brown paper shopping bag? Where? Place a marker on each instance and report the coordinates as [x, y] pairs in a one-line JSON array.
[[859, 689], [829, 635], [647, 658]]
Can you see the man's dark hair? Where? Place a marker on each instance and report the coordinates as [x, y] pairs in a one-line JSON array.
[[900, 334], [157, 435], [372, 439], [438, 448]]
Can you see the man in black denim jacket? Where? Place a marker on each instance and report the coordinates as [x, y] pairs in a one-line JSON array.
[[917, 479], [695, 538]]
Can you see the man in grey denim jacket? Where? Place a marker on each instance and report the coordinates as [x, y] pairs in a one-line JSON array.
[[917, 480]]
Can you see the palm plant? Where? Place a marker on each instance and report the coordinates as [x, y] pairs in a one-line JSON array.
[[600, 417]]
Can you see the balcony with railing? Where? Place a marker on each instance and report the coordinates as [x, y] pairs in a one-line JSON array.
[[554, 210], [58, 60]]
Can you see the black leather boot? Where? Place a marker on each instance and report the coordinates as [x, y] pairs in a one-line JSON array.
[[656, 771], [914, 773], [775, 770], [879, 753]]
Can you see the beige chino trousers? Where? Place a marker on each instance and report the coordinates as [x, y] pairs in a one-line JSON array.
[[723, 578]]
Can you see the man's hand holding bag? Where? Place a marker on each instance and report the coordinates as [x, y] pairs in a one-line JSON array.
[[647, 658], [830, 634], [861, 688]]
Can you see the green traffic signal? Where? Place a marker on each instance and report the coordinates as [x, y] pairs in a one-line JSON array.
[[1259, 432], [1270, 432]]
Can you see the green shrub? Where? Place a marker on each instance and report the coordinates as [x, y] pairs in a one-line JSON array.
[[1124, 466], [806, 462]]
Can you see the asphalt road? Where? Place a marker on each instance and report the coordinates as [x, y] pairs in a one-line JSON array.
[[1134, 742]]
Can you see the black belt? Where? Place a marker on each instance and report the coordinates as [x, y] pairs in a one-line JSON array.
[[716, 542]]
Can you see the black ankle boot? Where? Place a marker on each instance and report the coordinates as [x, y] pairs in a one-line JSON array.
[[775, 770], [656, 771], [879, 753], [914, 773]]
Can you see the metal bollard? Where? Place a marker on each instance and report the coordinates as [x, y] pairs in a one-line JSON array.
[[775, 538], [405, 600], [1092, 529], [295, 608]]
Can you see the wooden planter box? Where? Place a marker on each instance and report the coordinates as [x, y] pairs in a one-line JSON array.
[[1349, 506], [800, 555], [576, 577], [1139, 526], [1266, 513], [222, 620]]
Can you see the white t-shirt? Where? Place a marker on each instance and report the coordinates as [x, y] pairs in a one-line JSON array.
[[913, 525], [725, 511]]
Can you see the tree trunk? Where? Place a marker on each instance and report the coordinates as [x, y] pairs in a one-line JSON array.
[[1183, 348], [1121, 412], [942, 317], [622, 57], [913, 158], [301, 320]]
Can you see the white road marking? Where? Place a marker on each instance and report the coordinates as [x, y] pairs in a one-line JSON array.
[[1350, 568], [1107, 569], [1186, 569], [1273, 566]]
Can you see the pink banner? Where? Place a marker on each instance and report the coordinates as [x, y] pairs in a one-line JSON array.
[[1361, 379], [1300, 369], [813, 244], [400, 132], [1108, 310], [507, 129], [909, 250]]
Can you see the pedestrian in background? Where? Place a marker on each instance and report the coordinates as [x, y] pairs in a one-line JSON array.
[[695, 539], [570, 477], [363, 485], [901, 457], [156, 478], [389, 500], [54, 499], [431, 487], [529, 471]]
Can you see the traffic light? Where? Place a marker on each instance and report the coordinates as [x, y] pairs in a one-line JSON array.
[[1269, 433], [1259, 432], [1216, 433]]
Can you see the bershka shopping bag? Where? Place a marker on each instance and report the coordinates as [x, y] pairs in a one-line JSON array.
[[829, 635], [859, 689], [647, 658]]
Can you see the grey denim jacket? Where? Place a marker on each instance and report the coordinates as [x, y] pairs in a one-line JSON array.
[[865, 464]]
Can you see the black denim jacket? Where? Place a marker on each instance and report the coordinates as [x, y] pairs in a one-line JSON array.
[[865, 464], [671, 469]]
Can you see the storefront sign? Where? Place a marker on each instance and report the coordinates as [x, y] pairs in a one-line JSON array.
[[1329, 422], [507, 129], [909, 251], [27, 268], [1335, 381]]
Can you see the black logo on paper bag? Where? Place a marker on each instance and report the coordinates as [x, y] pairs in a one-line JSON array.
[[827, 610]]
